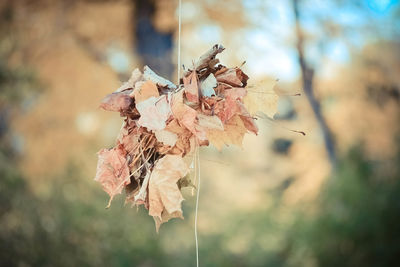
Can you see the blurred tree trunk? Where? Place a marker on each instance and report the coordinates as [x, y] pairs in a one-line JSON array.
[[152, 46], [307, 74]]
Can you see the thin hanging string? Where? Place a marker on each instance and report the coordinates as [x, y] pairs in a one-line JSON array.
[[179, 39], [197, 155]]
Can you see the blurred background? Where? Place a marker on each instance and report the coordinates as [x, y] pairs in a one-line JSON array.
[[330, 198]]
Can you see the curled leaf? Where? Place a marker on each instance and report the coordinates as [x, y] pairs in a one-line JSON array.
[[112, 171], [191, 85], [119, 101]]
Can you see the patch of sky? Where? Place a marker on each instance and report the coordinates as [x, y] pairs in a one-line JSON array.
[[337, 51], [266, 58], [118, 59], [381, 7], [210, 32]]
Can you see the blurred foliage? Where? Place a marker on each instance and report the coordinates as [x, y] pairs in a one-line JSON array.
[[358, 217], [64, 228]]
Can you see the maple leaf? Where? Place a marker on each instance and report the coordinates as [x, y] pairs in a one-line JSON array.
[[182, 145], [112, 171], [164, 194], [145, 91], [185, 115], [262, 99], [154, 112], [233, 76], [150, 75], [118, 101], [247, 119], [166, 137], [207, 86], [227, 109], [210, 122], [129, 139], [232, 134], [191, 85]]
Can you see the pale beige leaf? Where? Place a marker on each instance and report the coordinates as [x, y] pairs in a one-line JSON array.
[[164, 194], [153, 113], [150, 75], [262, 98], [145, 91], [185, 115], [166, 137], [233, 133], [210, 122], [165, 217]]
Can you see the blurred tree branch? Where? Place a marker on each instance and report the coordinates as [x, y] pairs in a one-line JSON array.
[[307, 74]]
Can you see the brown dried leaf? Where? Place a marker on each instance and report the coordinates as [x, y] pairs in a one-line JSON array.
[[185, 115], [119, 101], [164, 194], [233, 133], [233, 76], [147, 90], [262, 99], [191, 85], [112, 171], [247, 119], [210, 122]]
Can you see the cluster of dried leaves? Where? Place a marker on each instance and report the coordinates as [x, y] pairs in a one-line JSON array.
[[164, 124]]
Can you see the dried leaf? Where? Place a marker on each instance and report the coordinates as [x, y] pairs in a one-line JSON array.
[[185, 115], [210, 122], [191, 85], [166, 137], [262, 99], [164, 194], [154, 112], [141, 196], [135, 77], [226, 109], [233, 133], [235, 93], [247, 119], [207, 86], [112, 171], [150, 75], [146, 90], [234, 77], [165, 217], [116, 102]]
